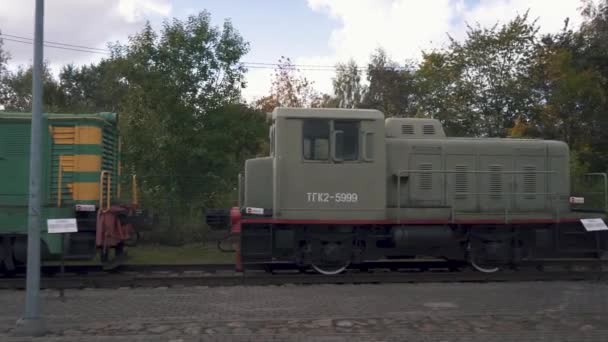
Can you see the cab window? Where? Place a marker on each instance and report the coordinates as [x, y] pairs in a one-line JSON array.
[[347, 140], [316, 140]]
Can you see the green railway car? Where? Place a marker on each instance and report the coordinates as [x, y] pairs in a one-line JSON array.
[[80, 173]]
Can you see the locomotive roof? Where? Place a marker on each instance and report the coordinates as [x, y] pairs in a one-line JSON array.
[[328, 113], [103, 116]]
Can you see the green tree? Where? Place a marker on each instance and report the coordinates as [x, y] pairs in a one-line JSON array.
[[493, 67], [391, 87], [328, 101], [94, 88], [570, 68], [572, 99], [18, 91], [4, 57], [174, 81], [289, 89], [347, 85], [441, 96], [594, 56]]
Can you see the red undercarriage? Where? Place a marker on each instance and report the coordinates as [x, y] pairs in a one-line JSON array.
[[405, 221]]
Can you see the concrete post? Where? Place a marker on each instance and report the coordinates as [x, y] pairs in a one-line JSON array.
[[33, 324]]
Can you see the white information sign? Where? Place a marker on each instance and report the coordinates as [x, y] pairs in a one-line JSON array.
[[254, 211], [593, 225], [59, 226], [577, 200]]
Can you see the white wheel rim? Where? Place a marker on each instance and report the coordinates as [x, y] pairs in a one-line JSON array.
[[477, 267], [483, 269], [333, 272]]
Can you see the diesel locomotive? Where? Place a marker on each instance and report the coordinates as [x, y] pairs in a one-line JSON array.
[[344, 187]]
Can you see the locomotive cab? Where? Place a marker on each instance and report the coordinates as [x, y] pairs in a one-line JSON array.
[[314, 150], [326, 167]]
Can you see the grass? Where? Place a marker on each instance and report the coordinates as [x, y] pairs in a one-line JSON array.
[[195, 253], [187, 254]]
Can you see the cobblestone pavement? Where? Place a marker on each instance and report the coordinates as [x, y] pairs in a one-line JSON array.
[[534, 311]]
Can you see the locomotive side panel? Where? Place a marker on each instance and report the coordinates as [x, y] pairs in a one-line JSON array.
[[558, 159], [487, 177], [258, 183], [461, 184]]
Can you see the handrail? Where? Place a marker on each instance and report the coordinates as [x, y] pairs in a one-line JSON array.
[[119, 168], [134, 193], [333, 146], [59, 184], [472, 171], [366, 136], [108, 190]]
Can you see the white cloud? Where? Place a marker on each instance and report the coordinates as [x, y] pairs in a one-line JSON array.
[[405, 27], [90, 23], [401, 27], [551, 14], [135, 10]]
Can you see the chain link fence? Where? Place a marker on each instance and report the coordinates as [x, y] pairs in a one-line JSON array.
[[176, 206]]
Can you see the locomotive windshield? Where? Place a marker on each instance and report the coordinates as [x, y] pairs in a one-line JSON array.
[[347, 140], [316, 140]]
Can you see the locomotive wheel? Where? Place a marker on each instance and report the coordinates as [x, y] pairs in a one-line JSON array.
[[326, 269], [334, 258], [478, 263], [483, 269]]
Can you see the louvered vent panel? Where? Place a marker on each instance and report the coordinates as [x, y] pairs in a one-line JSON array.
[[461, 182], [529, 181], [407, 129], [428, 130], [109, 149], [109, 158], [16, 142], [63, 153], [64, 135], [495, 181], [426, 178]]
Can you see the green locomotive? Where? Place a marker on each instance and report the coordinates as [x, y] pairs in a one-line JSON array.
[[344, 186], [81, 180]]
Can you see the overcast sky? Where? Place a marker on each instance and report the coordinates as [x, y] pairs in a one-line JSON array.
[[317, 32]]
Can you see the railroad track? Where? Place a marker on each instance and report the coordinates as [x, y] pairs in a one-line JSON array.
[[224, 275]]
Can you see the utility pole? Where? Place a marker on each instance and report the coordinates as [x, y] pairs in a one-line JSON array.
[[32, 323]]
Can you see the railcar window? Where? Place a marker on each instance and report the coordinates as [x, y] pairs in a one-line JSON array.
[[316, 140], [347, 143]]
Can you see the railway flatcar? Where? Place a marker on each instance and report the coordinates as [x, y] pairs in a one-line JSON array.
[[81, 180], [344, 187]]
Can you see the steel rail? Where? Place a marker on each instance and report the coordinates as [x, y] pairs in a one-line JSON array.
[[134, 276]]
